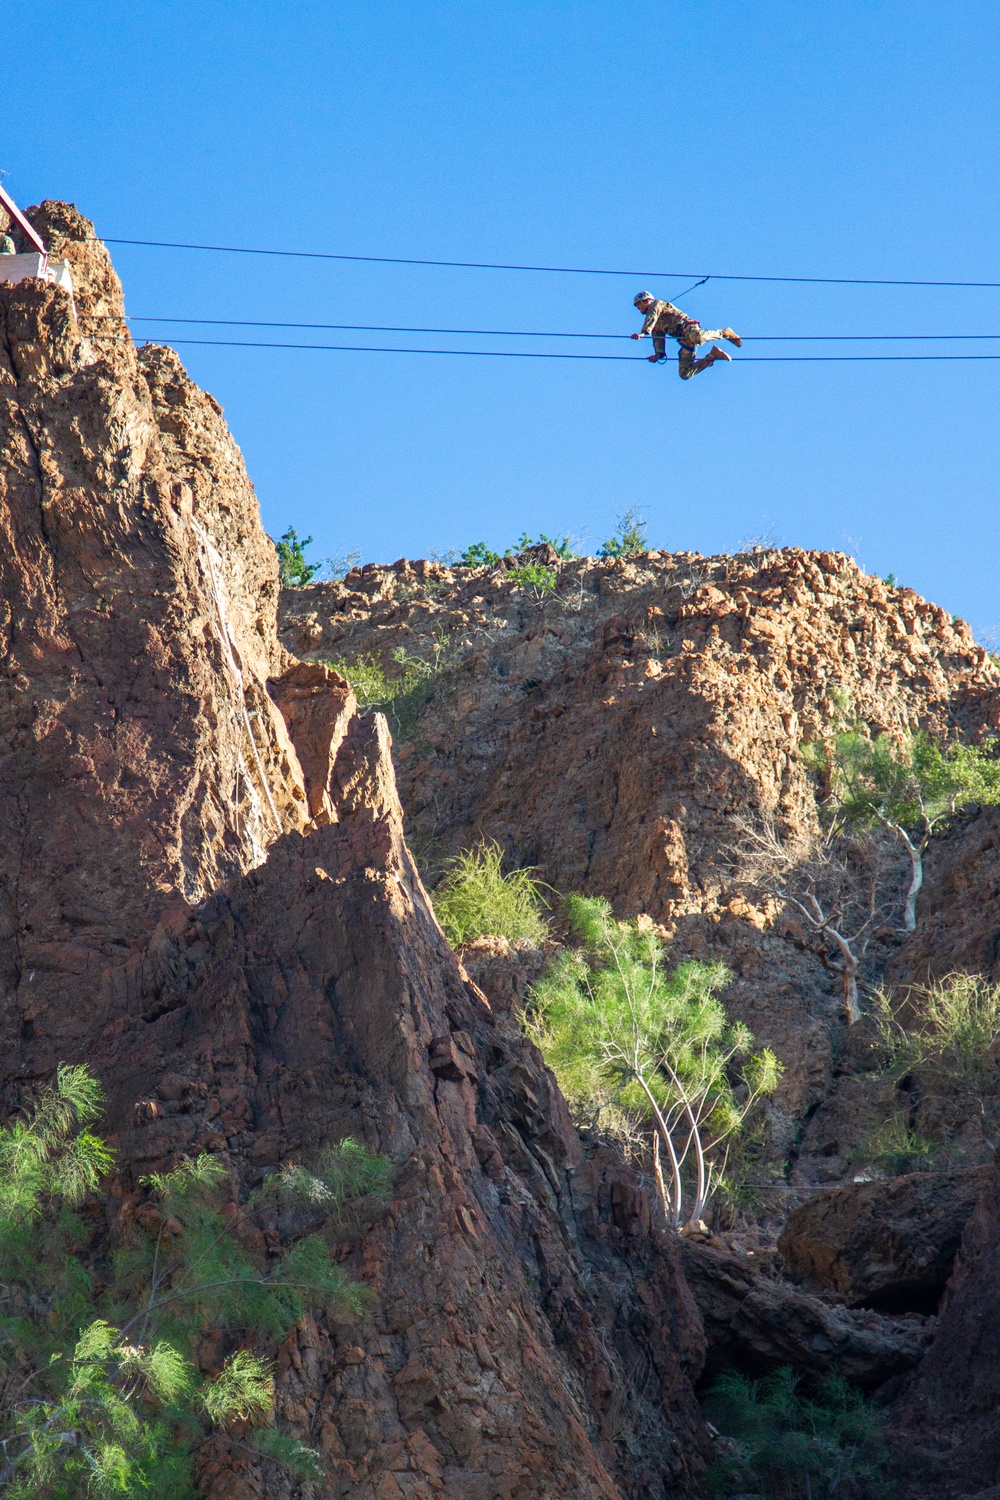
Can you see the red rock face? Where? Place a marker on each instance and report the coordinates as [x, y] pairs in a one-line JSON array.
[[613, 734], [142, 758], [609, 733], [207, 897]]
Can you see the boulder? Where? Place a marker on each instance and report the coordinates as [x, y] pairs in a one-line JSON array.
[[943, 1426], [888, 1243], [759, 1324]]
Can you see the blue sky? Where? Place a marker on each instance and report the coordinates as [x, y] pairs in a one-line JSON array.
[[848, 139]]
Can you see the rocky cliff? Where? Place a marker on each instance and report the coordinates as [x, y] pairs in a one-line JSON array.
[[207, 893], [207, 897], [613, 733]]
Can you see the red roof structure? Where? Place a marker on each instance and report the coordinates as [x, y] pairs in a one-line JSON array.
[[17, 217]]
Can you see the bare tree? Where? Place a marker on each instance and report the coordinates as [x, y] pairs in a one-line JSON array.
[[840, 890]]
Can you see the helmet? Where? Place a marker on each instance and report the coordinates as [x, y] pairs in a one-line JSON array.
[[642, 297]]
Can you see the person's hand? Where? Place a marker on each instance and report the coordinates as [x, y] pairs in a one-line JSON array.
[[637, 335]]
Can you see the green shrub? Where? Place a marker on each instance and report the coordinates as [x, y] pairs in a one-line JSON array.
[[293, 570], [623, 1032], [561, 545], [785, 1440], [478, 556], [99, 1394], [629, 536], [895, 1147], [476, 899], [908, 788], [400, 696], [946, 1036], [481, 556], [535, 578]]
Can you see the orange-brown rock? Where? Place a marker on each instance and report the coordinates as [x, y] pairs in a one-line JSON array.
[[613, 735], [145, 758], [609, 733], [207, 897]]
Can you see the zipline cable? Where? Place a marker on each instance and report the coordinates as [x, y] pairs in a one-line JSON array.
[[484, 265], [526, 354], [520, 333]]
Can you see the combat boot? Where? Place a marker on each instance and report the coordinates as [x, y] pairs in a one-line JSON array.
[[716, 353], [734, 338]]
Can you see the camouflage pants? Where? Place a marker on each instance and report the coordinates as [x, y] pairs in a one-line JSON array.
[[693, 335]]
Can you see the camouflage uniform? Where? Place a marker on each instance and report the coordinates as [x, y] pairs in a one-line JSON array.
[[664, 321]]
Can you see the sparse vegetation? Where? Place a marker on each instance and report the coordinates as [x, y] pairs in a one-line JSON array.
[[782, 1438], [99, 1394], [628, 1036], [895, 1147], [479, 555], [402, 694], [629, 536], [295, 572], [946, 1037], [909, 787], [839, 890], [333, 569], [476, 899]]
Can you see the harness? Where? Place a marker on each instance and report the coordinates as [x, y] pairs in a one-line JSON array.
[[691, 323]]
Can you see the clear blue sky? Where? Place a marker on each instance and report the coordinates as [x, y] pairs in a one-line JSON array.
[[843, 139]]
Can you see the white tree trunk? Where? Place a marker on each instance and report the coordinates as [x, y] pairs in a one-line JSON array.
[[916, 881]]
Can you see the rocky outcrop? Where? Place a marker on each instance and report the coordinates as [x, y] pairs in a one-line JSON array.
[[503, 970], [613, 734], [944, 1429], [143, 760], [520, 1287], [757, 1323], [206, 896], [607, 734], [889, 1243]]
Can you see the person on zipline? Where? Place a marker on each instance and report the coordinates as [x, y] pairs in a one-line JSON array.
[[663, 320]]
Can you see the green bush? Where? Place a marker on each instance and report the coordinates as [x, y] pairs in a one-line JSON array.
[[476, 899], [481, 556], [535, 578], [400, 696], [625, 1033], [787, 1440], [895, 1147], [946, 1036], [478, 556], [99, 1394], [561, 545], [909, 788], [293, 570], [629, 536]]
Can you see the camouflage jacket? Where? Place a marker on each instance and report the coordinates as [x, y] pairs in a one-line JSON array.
[[664, 317]]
